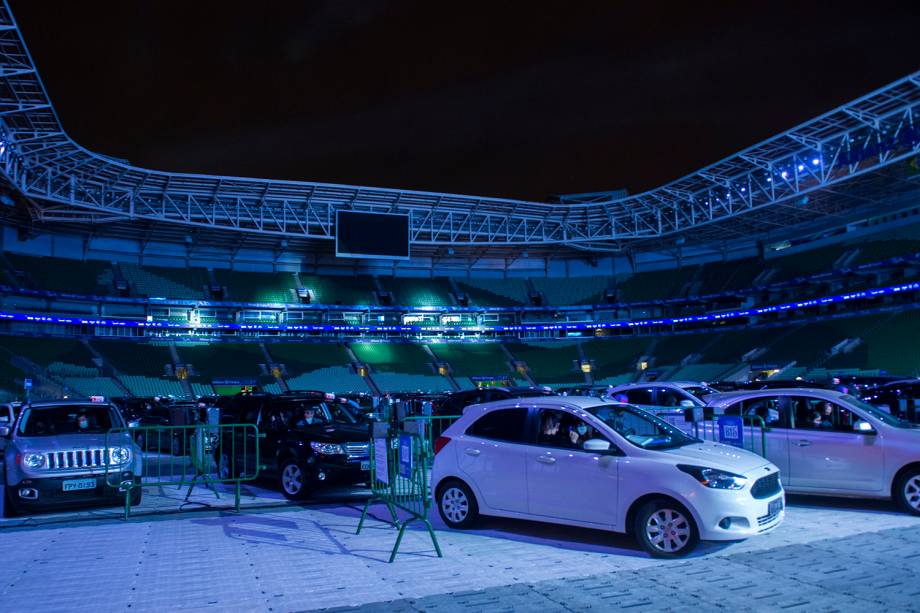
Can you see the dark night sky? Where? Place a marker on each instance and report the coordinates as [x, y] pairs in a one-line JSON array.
[[496, 99]]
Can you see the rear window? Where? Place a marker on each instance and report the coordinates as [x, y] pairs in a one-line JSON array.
[[501, 425], [67, 419]]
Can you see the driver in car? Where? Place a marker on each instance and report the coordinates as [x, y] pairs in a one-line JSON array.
[[309, 417], [579, 433]]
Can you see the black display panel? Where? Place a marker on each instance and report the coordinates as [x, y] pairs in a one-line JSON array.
[[371, 235]]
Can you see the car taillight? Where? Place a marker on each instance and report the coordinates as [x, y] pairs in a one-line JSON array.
[[439, 443]]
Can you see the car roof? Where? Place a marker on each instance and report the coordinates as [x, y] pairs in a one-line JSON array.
[[723, 398], [642, 384], [67, 403], [575, 402]]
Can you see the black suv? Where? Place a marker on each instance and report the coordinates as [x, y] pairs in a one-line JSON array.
[[309, 441]]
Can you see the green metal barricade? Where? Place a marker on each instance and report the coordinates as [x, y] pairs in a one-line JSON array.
[[400, 459], [198, 454], [430, 427]]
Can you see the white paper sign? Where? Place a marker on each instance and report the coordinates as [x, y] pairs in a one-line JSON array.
[[380, 459]]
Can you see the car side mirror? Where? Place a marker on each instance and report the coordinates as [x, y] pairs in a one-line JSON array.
[[863, 427], [597, 445], [4, 431], [687, 404], [134, 424]]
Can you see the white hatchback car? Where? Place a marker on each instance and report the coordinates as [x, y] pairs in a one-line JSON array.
[[589, 462], [829, 443]]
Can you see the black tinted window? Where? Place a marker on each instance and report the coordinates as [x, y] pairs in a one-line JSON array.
[[501, 425], [640, 396]]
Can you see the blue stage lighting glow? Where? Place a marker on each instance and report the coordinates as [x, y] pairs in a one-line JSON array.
[[816, 161], [801, 167], [784, 174]]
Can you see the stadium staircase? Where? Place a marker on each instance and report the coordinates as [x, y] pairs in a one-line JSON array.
[[272, 365], [447, 373], [360, 366], [518, 366], [106, 368]]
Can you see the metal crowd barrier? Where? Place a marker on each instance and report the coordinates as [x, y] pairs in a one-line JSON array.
[[400, 459], [199, 454]]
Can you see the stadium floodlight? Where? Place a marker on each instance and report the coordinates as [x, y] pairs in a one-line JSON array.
[[816, 161], [801, 167], [784, 174]]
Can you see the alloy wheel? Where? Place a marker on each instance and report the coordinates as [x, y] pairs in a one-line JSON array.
[[455, 504], [912, 492], [292, 479], [668, 530]]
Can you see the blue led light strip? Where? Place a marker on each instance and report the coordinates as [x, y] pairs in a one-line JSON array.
[[601, 325]]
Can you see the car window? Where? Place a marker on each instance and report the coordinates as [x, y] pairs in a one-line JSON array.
[[64, 419], [562, 429], [822, 415], [639, 396], [341, 414], [773, 410], [500, 425], [668, 397], [641, 428]]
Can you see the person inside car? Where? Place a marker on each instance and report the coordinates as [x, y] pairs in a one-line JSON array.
[[579, 433], [309, 417], [549, 431]]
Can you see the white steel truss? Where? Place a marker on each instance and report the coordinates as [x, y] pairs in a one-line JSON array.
[[822, 167]]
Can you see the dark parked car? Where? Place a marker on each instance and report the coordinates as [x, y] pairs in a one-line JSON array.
[[308, 442], [157, 431], [900, 398], [458, 401]]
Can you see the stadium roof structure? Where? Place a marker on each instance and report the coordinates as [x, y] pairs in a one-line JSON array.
[[848, 163]]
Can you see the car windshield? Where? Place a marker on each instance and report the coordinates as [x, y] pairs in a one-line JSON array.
[[700, 390], [877, 413], [641, 428], [66, 419], [311, 413]]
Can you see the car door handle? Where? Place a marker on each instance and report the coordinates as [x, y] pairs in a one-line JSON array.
[[472, 452], [545, 459], [803, 443]]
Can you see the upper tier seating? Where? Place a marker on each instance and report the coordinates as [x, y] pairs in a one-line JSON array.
[[334, 289], [889, 343], [654, 285], [495, 292], [93, 386], [409, 291], [807, 263], [573, 290], [401, 382], [878, 251], [158, 282], [63, 275], [549, 362], [152, 386], [271, 287], [719, 277]]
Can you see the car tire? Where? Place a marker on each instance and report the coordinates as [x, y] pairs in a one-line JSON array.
[[137, 494], [907, 491], [9, 509], [140, 439], [292, 477], [457, 505], [665, 529]]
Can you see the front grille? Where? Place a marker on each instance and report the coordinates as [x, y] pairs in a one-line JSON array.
[[77, 458], [356, 449], [769, 518], [766, 486]]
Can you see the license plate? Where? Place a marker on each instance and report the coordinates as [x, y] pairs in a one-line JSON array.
[[366, 465], [775, 506], [79, 484]]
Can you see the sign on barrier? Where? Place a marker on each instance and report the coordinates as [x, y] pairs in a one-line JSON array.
[[405, 456], [731, 430]]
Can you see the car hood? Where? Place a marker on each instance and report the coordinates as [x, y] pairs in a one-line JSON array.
[[716, 455], [71, 442]]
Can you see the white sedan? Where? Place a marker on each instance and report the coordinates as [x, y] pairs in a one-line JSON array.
[[829, 443], [592, 463]]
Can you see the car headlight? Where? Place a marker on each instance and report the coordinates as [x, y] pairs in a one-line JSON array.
[[34, 460], [327, 448], [119, 455], [714, 478]]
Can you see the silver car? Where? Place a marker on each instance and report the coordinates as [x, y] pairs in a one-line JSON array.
[[829, 443], [62, 453]]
